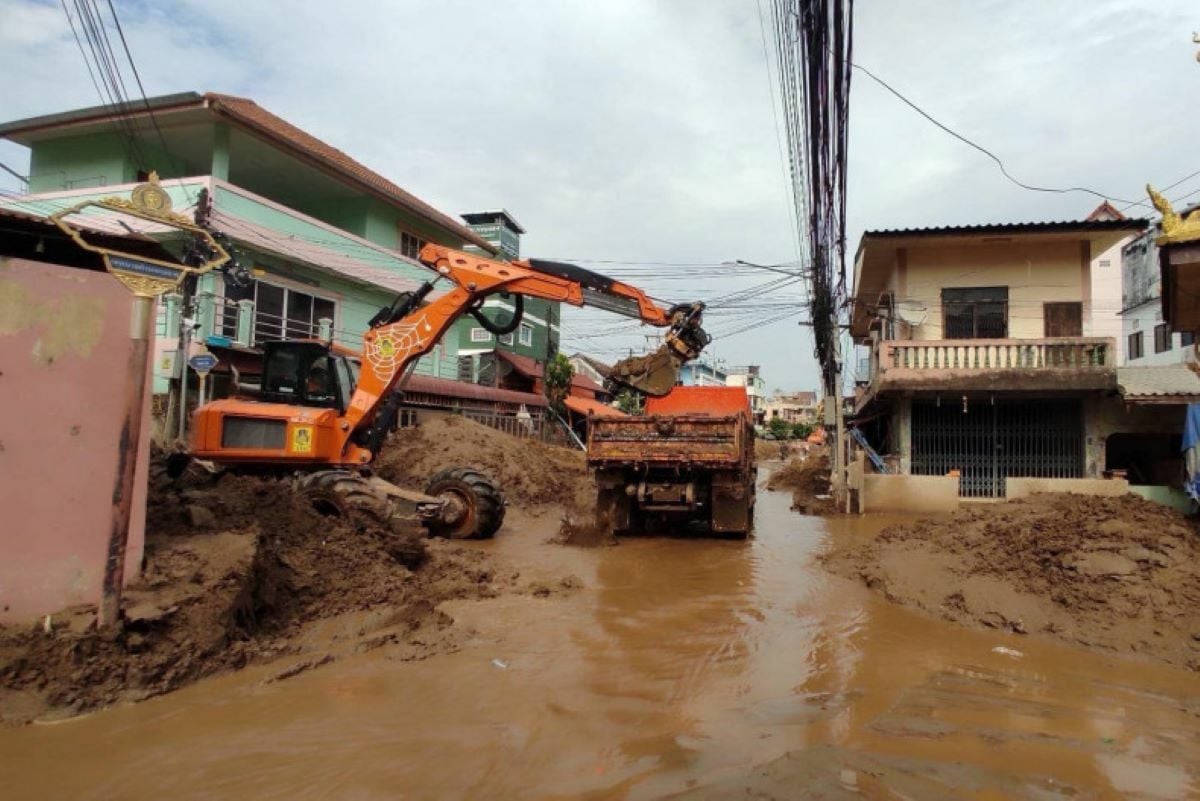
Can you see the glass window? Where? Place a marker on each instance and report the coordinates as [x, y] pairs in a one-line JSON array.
[[975, 312], [1135, 345], [410, 244], [526, 334], [480, 335], [268, 312], [1162, 338], [1186, 339], [507, 339]]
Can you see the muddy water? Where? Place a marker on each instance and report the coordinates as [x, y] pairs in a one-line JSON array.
[[684, 666]]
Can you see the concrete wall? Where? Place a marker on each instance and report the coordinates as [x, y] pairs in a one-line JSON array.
[[1108, 415], [64, 344], [902, 493], [1024, 487], [1144, 318], [1035, 273], [1106, 297]]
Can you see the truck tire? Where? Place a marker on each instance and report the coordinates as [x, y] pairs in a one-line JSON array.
[[475, 508]]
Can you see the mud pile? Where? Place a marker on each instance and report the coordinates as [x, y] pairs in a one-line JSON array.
[[1117, 573], [235, 571], [808, 479], [529, 472]]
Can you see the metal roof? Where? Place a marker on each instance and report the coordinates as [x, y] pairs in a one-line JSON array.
[[250, 116], [1167, 383], [1133, 224]]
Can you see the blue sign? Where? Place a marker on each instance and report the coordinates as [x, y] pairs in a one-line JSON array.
[[202, 362], [127, 265]]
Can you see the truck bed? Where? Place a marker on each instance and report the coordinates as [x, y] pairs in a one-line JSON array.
[[694, 440]]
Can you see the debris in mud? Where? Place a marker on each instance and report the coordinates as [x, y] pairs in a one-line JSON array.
[[585, 530], [1119, 573], [238, 589], [808, 478], [528, 472]]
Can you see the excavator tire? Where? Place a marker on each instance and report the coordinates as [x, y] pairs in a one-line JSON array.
[[340, 493], [475, 508]]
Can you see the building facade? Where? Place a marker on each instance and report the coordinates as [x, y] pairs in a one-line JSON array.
[[702, 373], [985, 372], [326, 241], [1148, 337], [756, 388]]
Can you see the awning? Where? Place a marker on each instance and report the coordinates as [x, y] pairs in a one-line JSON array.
[[1170, 384]]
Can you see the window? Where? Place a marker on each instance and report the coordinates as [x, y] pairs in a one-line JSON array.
[[1062, 319], [1105, 263], [1135, 345], [410, 244], [526, 334], [481, 335], [285, 313], [975, 312], [1186, 339], [506, 339], [1162, 338]]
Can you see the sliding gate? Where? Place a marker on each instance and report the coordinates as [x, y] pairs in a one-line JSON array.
[[990, 442]]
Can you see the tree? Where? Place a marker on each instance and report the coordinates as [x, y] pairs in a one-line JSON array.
[[629, 402], [559, 373], [780, 428], [801, 430]]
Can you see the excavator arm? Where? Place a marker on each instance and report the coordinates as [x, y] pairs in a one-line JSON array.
[[410, 330]]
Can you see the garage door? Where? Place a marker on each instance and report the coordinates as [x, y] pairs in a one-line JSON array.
[[991, 442]]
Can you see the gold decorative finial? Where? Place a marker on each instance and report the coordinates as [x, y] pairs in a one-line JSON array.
[[1175, 229]]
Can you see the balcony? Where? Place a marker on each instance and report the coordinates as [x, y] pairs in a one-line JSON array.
[[991, 365]]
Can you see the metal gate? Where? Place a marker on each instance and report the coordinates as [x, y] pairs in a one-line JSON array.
[[990, 442]]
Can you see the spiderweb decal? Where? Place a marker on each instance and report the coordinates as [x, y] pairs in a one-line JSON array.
[[388, 350]]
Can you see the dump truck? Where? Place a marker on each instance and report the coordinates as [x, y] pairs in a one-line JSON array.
[[690, 458]]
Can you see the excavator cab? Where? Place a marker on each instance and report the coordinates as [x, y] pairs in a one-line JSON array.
[[307, 373]]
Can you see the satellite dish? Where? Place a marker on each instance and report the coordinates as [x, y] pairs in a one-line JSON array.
[[912, 312]]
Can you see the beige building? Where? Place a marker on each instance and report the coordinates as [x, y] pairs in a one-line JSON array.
[[993, 371], [792, 407]]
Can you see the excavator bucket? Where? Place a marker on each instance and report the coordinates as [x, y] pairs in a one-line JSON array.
[[654, 374]]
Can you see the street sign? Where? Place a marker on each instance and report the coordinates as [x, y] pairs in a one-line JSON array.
[[202, 363]]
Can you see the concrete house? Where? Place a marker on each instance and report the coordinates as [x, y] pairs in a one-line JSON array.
[[328, 241], [989, 376], [1149, 339]]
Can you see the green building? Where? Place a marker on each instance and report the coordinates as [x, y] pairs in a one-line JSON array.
[[329, 241]]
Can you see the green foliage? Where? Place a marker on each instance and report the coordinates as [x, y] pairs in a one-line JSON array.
[[780, 428], [629, 402], [801, 430], [558, 381]]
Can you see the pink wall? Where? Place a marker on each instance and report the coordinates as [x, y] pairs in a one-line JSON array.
[[64, 345]]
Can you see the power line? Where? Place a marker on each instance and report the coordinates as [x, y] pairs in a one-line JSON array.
[[999, 163]]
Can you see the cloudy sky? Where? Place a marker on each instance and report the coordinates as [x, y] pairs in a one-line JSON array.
[[641, 131]]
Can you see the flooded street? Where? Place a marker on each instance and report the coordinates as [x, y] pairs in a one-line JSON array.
[[694, 667]]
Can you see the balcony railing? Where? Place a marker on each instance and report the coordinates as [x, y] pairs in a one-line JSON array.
[[1057, 364], [1067, 353]]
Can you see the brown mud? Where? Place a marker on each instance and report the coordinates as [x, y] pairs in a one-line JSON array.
[[1121, 574], [808, 479], [530, 473], [238, 570]]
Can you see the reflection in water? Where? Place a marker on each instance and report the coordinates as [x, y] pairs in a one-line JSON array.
[[683, 664]]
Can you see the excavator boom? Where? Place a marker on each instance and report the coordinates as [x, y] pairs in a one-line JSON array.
[[348, 431]]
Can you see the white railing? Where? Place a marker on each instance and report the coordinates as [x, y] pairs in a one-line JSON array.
[[1066, 353]]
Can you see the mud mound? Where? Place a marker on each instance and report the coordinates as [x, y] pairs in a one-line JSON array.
[[585, 529], [765, 449], [1118, 573], [529, 472], [808, 479], [236, 570]]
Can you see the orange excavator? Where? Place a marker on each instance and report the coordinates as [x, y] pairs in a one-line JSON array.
[[323, 413]]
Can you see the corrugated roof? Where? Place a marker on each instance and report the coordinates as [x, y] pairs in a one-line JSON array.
[[248, 114], [595, 408], [532, 368], [1014, 228], [1177, 383], [292, 247], [460, 389]]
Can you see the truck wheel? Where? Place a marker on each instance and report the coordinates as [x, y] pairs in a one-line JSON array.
[[474, 505]]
